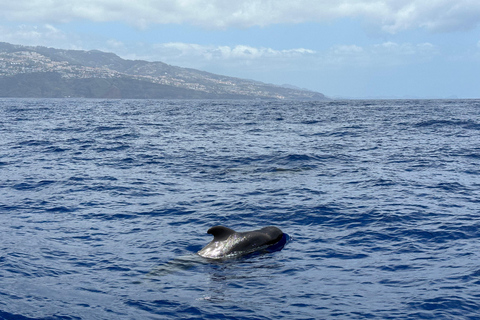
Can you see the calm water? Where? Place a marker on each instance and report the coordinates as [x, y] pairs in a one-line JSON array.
[[103, 204]]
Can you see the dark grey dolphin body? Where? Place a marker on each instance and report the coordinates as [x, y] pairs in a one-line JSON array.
[[228, 243]]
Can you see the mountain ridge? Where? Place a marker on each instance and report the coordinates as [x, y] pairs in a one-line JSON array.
[[28, 71]]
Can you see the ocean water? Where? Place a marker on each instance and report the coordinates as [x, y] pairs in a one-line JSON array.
[[104, 203]]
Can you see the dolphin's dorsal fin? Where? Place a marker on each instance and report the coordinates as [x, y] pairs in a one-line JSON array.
[[220, 232]]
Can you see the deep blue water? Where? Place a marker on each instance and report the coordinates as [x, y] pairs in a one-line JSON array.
[[103, 204]]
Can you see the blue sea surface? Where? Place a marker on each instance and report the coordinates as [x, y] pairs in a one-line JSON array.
[[104, 204]]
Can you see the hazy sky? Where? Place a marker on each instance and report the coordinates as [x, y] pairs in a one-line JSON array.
[[346, 48]]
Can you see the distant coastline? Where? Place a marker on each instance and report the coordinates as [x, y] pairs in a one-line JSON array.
[[41, 72]]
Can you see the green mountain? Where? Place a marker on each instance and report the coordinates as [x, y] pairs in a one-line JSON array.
[[54, 73]]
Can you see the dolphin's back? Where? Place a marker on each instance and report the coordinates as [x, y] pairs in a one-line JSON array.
[[263, 237], [228, 242]]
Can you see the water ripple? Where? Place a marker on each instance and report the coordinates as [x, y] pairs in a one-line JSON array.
[[379, 198]]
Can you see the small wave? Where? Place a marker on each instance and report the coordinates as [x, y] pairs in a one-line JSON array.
[[450, 186], [343, 255], [400, 267], [473, 277], [108, 128], [78, 179], [35, 143], [475, 156], [296, 157], [453, 304], [168, 212], [113, 148], [55, 149], [295, 162], [439, 236], [60, 209], [14, 316], [33, 185], [311, 121], [468, 124]]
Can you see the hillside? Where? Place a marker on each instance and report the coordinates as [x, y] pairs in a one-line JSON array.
[[51, 73]]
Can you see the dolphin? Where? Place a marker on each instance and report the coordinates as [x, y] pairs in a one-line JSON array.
[[229, 243]]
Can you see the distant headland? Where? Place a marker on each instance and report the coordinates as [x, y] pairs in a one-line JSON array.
[[41, 72]]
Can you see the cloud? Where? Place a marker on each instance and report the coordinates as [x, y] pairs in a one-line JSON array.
[[226, 52], [216, 57], [388, 15], [347, 49], [252, 59], [403, 49], [115, 44], [386, 54], [32, 35]]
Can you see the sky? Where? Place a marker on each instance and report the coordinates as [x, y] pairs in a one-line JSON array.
[[341, 48]]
